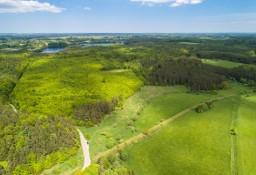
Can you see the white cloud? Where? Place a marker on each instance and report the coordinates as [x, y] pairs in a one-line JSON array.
[[22, 6], [173, 3], [88, 8]]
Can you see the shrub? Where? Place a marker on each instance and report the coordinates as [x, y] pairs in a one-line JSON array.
[[123, 155], [110, 145]]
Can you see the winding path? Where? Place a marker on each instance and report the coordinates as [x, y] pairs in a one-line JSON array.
[[85, 147]]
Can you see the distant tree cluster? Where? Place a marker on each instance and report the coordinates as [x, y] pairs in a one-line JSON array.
[[113, 164], [187, 71], [204, 107], [6, 86], [93, 113], [235, 57], [57, 44]]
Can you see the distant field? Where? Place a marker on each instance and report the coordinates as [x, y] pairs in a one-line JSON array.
[[194, 144], [221, 63]]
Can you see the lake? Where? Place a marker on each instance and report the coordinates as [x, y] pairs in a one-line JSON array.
[[52, 50]]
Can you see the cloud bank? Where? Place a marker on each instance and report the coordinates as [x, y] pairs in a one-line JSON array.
[[22, 6], [173, 3]]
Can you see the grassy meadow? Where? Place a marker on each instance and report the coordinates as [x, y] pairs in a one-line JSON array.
[[195, 144], [148, 107], [246, 129], [221, 63]]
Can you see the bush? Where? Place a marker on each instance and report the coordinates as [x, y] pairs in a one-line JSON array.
[[72, 162], [111, 158], [123, 155], [110, 145]]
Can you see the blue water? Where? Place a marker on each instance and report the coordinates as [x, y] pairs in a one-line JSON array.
[[52, 50], [97, 44]]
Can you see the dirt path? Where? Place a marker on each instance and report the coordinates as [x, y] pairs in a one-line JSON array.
[[86, 153], [13, 108], [234, 146], [151, 131]]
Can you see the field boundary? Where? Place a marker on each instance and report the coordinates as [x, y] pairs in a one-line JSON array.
[[234, 169]]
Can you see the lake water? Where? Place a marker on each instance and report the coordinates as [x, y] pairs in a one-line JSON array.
[[97, 44], [52, 50]]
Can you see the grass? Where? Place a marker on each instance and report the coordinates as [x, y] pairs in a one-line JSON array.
[[194, 144], [62, 168], [247, 136], [221, 63], [116, 124], [147, 108]]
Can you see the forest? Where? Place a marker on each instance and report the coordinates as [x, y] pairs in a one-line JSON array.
[[45, 97]]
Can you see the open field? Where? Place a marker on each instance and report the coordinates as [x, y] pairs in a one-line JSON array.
[[194, 144], [221, 63], [145, 109], [247, 136]]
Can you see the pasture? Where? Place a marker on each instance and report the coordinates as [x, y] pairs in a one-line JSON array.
[[221, 63]]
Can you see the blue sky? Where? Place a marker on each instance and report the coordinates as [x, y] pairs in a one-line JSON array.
[[127, 16]]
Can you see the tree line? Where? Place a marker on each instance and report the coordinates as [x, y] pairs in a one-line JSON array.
[[234, 57], [194, 74]]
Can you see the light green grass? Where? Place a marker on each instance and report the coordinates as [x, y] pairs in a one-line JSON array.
[[221, 63], [66, 166], [197, 144], [116, 124], [234, 88], [247, 136]]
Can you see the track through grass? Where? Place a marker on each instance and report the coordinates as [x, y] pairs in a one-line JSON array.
[[233, 132], [152, 130]]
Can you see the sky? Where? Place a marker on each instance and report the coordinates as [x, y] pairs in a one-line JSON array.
[[127, 16]]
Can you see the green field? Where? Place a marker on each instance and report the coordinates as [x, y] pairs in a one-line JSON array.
[[145, 109], [195, 144], [221, 63], [247, 136]]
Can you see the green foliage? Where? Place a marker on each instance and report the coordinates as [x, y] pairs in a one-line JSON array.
[[111, 158], [6, 86], [4, 164], [57, 85], [123, 155], [204, 107], [20, 138], [110, 144], [57, 45], [224, 85], [93, 169]]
